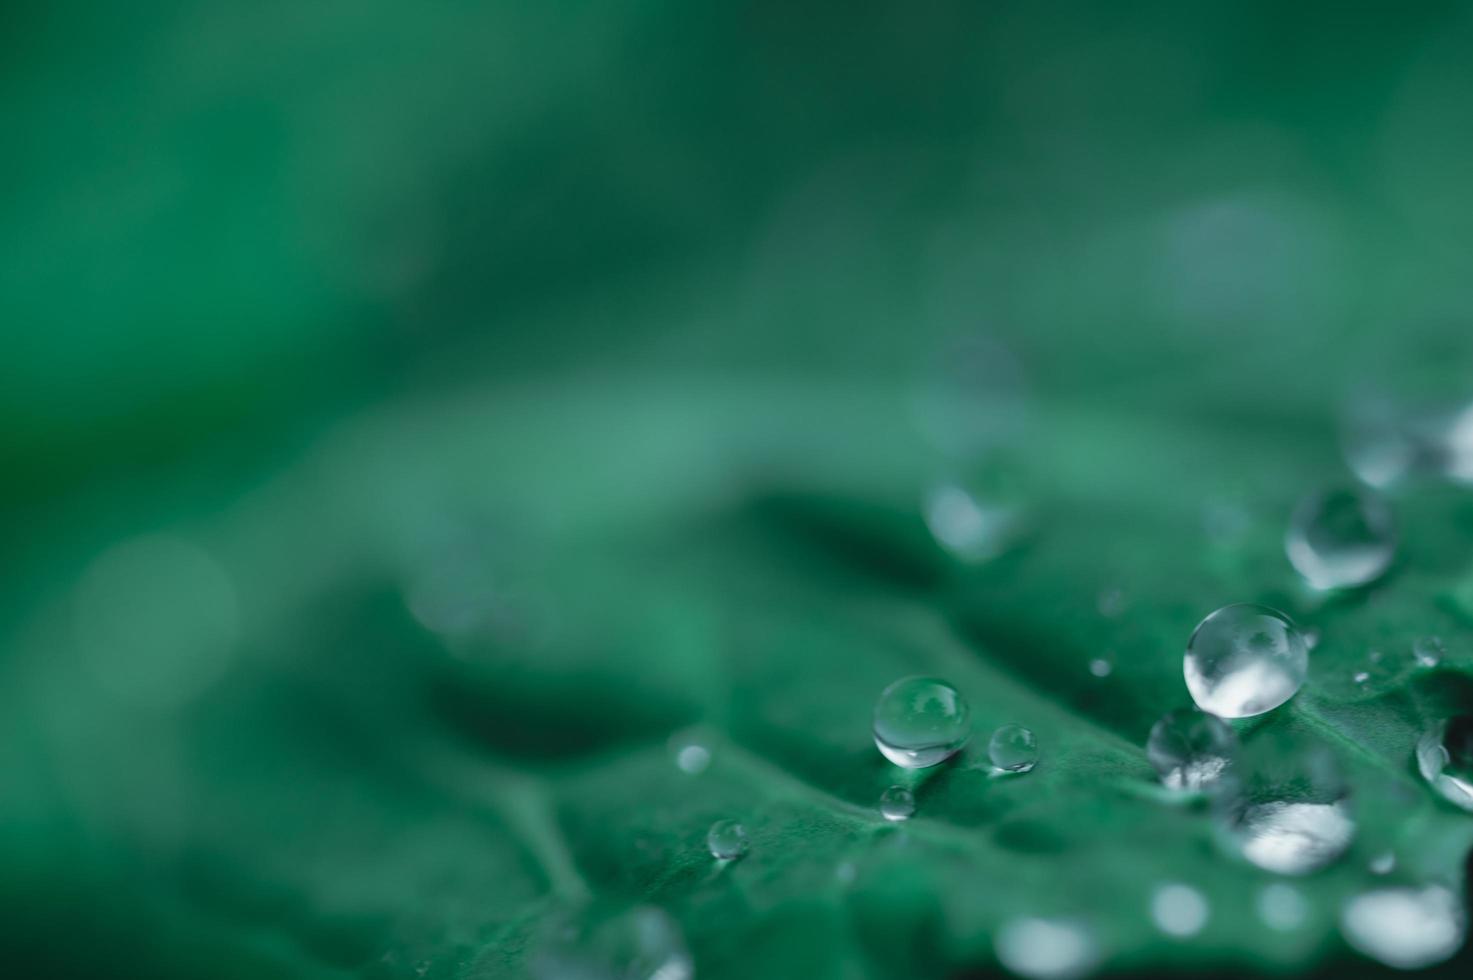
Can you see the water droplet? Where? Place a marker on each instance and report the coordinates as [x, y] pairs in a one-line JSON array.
[[1295, 838], [1312, 637], [1383, 864], [1013, 748], [726, 840], [1405, 928], [1360, 677], [1190, 749], [690, 752], [1046, 949], [1445, 759], [605, 943], [1244, 660], [921, 721], [1341, 538], [1111, 602], [1285, 805], [1179, 910], [1428, 650], [1103, 665], [1281, 907], [897, 803], [1386, 440], [973, 523]]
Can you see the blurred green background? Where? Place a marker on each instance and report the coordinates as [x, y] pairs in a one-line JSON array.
[[630, 314]]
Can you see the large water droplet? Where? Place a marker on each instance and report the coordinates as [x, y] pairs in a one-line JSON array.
[[1244, 660], [897, 803], [1295, 838], [1405, 928], [921, 721], [604, 943], [1013, 748], [1341, 538], [1285, 805], [1445, 759], [726, 840], [1190, 749], [1386, 440], [1179, 910], [1046, 949], [1282, 907]]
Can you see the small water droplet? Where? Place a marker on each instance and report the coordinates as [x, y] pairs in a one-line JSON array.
[[1341, 538], [726, 840], [1103, 665], [690, 751], [601, 942], [1013, 748], [1111, 602], [974, 524], [1445, 759], [1281, 907], [1428, 650], [1046, 949], [1312, 637], [1383, 864], [1179, 910], [921, 721], [1244, 660], [1360, 677], [897, 803], [1190, 749], [1405, 928]]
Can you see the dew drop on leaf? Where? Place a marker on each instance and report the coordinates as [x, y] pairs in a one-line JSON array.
[[1405, 928], [1190, 749], [897, 803], [1244, 660], [1013, 748], [727, 840], [1341, 538], [920, 722]]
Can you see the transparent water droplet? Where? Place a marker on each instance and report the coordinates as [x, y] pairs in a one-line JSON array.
[[691, 753], [1341, 538], [975, 522], [727, 840], [1428, 650], [1013, 748], [897, 803], [1445, 759], [1046, 949], [601, 942], [1285, 807], [1296, 838], [921, 721], [1111, 602], [1405, 928], [1282, 907], [1191, 749], [1387, 440], [1103, 665], [1360, 676], [1179, 910], [1244, 660], [1383, 864]]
